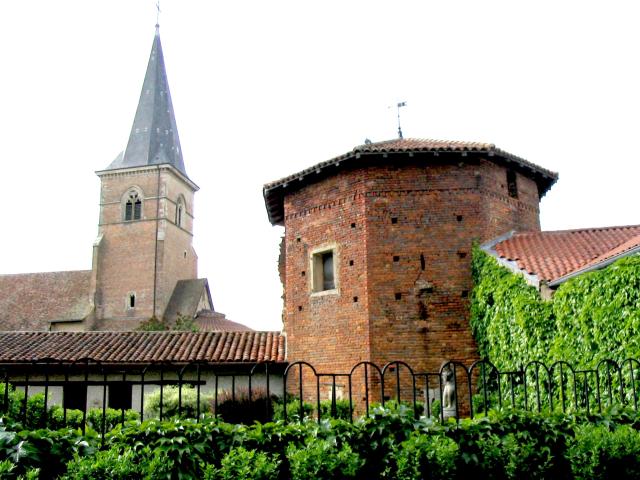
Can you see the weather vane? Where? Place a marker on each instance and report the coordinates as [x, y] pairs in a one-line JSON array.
[[158, 13], [400, 104]]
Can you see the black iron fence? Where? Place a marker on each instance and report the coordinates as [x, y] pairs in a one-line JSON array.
[[263, 391]]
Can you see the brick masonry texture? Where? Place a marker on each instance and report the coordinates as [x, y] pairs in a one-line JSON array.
[[128, 249], [402, 233]]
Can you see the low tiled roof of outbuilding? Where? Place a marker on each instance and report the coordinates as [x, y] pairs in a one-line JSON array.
[[31, 301], [273, 192], [555, 254], [143, 347]]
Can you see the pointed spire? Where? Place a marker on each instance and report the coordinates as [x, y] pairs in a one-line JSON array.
[[154, 135]]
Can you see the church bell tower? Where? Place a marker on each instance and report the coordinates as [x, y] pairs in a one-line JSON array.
[[144, 244]]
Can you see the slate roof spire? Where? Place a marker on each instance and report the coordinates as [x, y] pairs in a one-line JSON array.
[[154, 134]]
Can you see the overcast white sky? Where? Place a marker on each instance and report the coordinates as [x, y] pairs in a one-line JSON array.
[[264, 89]]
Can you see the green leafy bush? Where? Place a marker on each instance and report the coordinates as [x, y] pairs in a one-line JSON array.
[[246, 464], [105, 465], [599, 452], [47, 450], [424, 457], [112, 418], [170, 403], [293, 409], [239, 408], [342, 409], [323, 459]]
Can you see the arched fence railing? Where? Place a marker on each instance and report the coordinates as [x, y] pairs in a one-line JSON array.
[[87, 392]]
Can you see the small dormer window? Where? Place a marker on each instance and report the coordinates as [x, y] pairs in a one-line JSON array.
[[133, 206]]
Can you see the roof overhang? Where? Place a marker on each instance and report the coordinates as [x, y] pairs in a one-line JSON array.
[[379, 154]]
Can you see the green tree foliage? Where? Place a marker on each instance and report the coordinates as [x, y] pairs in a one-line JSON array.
[[590, 318], [173, 405]]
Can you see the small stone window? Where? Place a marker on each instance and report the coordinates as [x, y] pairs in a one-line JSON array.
[[131, 301], [133, 206], [323, 268], [512, 184]]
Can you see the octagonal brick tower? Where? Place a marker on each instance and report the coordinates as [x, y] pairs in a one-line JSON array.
[[376, 257]]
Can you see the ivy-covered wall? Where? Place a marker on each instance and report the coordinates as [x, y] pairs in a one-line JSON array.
[[591, 317]]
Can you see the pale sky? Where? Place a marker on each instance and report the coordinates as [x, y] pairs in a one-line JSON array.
[[265, 89]]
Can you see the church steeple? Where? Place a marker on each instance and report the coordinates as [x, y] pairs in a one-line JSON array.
[[154, 135]]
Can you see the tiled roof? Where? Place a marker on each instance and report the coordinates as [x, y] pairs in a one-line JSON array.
[[143, 347], [208, 321], [274, 192], [552, 255], [30, 301]]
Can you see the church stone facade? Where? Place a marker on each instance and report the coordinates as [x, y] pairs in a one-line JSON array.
[[143, 264]]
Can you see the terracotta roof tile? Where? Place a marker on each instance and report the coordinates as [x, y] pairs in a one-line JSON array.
[[142, 347], [552, 255], [274, 192], [208, 321], [30, 301]]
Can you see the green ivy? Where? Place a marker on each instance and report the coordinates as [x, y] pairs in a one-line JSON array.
[[591, 317]]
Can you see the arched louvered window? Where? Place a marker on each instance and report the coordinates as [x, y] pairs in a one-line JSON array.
[[133, 206]]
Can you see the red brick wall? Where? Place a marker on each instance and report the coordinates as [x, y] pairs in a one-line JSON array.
[[413, 307], [126, 255]]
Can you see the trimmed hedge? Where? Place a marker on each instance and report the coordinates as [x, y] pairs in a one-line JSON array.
[[388, 444]]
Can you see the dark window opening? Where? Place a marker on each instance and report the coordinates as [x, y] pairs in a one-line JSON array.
[[423, 263], [179, 216], [74, 396], [462, 254], [120, 395], [459, 218], [351, 263], [396, 258], [132, 300], [394, 220], [353, 225], [128, 211], [465, 293], [398, 296], [323, 274], [355, 299], [327, 271], [299, 308], [137, 210], [303, 273], [133, 207], [512, 184]]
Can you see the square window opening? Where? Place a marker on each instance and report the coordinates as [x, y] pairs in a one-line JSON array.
[[324, 277]]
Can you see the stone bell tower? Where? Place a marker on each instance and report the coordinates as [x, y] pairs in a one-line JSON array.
[[144, 245]]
